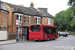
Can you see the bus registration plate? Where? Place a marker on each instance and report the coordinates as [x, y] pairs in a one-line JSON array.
[[35, 39]]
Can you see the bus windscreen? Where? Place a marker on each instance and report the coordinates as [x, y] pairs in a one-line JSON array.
[[35, 28]]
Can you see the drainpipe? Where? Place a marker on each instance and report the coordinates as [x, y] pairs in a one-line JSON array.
[[0, 4]]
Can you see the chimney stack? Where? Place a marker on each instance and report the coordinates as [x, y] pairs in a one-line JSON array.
[[44, 9], [21, 5], [31, 5]]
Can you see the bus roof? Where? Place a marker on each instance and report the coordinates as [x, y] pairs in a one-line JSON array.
[[45, 25]]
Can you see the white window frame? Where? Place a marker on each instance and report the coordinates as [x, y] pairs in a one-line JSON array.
[[38, 20], [20, 29], [19, 16], [29, 19], [3, 16], [2, 28], [49, 20], [5, 28], [25, 18], [43, 20]]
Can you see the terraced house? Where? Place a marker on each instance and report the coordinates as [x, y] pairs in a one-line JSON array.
[[9, 13]]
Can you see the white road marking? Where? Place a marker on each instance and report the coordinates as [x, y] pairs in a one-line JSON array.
[[73, 48]]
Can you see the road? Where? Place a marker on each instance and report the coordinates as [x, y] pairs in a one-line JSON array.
[[62, 43]]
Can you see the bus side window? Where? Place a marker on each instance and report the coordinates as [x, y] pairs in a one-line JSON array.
[[49, 30], [56, 31], [44, 30], [52, 31]]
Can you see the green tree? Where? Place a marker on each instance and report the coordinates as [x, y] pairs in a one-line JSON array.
[[73, 23], [65, 20], [71, 2]]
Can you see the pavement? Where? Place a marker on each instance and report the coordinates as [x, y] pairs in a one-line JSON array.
[[5, 42]]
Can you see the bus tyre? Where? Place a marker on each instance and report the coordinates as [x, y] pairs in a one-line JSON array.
[[48, 38], [54, 37]]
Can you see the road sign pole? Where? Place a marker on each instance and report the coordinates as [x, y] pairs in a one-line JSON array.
[[18, 29]]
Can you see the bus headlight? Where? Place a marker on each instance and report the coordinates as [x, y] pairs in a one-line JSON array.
[[29, 30]]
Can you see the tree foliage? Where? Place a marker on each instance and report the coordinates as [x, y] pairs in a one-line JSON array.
[[71, 2], [65, 20]]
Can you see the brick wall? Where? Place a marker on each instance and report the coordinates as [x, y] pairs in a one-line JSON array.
[[12, 35], [1, 18]]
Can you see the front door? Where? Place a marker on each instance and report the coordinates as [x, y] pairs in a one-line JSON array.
[[26, 31]]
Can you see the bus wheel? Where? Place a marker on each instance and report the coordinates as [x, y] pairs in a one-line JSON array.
[[48, 38], [54, 37]]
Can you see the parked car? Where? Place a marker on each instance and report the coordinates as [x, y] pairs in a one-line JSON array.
[[64, 34], [60, 33], [68, 33]]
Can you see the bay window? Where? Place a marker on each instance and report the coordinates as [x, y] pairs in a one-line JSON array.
[[4, 16], [19, 17]]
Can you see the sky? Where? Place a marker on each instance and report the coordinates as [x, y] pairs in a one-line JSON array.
[[54, 6]]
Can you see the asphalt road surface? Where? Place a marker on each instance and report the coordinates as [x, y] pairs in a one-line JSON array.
[[62, 43]]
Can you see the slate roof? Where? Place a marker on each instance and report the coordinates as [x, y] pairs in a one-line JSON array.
[[3, 9], [45, 14], [28, 10]]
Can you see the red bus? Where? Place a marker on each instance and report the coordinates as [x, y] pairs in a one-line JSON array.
[[42, 32]]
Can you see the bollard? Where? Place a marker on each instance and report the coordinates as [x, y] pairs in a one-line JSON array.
[[17, 39]]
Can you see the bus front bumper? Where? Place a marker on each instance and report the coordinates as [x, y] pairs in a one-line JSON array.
[[35, 38]]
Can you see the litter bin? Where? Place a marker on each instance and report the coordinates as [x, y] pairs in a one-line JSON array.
[[17, 39]]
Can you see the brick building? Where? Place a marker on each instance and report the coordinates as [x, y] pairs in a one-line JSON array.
[[9, 13]]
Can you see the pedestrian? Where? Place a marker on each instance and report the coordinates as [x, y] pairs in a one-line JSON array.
[[25, 35], [20, 35]]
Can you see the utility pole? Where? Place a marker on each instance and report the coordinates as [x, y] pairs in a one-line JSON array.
[[18, 29], [17, 21]]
